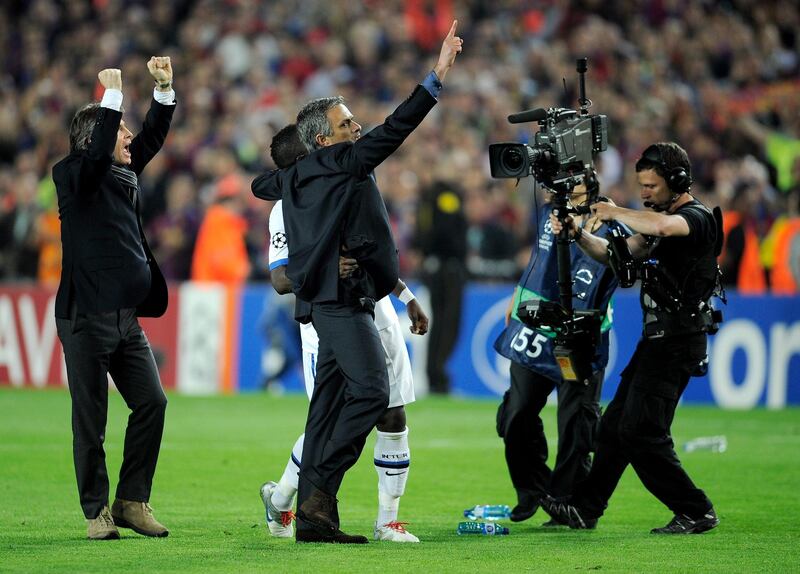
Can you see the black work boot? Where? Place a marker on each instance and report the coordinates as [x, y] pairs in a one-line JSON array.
[[315, 522]]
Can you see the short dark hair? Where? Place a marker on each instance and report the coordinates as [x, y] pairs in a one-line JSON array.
[[313, 120], [286, 147], [81, 126], [663, 157]]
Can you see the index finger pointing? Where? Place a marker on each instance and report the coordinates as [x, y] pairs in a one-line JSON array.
[[452, 31]]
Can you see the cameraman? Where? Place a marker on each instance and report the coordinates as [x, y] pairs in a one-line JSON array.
[[535, 373], [681, 234]]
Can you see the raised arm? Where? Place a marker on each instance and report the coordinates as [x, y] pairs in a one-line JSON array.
[[372, 149], [104, 135], [597, 247], [110, 79], [451, 47], [160, 67], [156, 124], [646, 222], [100, 147]]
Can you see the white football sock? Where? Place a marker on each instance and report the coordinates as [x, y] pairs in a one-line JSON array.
[[283, 497], [392, 463], [388, 507]]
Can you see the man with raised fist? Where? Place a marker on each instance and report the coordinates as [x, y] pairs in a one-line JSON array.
[[108, 279]]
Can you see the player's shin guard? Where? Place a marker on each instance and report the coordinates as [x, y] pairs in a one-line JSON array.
[[287, 485], [392, 463]]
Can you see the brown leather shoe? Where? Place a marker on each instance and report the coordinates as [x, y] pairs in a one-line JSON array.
[[102, 527], [138, 516]]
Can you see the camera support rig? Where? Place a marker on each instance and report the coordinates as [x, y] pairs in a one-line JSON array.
[[577, 333], [561, 158]]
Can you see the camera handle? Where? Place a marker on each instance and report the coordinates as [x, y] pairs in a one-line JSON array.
[[581, 65], [579, 331], [563, 258], [561, 210]]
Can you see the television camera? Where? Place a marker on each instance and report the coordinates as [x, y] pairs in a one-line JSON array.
[[563, 147], [561, 157]]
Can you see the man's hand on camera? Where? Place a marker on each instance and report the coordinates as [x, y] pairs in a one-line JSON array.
[[110, 78], [451, 47], [556, 225], [604, 210], [419, 320]]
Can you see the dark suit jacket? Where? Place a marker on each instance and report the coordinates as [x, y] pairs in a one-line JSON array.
[[106, 262], [330, 200]]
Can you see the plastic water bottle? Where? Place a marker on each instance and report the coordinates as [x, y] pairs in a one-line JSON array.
[[481, 528], [488, 512], [712, 443]]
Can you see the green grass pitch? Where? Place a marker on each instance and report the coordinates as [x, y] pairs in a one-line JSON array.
[[217, 451]]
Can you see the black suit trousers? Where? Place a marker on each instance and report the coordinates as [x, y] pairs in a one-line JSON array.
[[520, 424], [635, 429], [96, 345], [351, 392]]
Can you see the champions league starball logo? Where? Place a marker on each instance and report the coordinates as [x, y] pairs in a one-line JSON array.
[[278, 240]]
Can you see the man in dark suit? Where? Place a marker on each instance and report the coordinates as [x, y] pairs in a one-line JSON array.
[[109, 278], [331, 203]]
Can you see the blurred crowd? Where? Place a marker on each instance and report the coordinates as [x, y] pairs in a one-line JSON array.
[[720, 78]]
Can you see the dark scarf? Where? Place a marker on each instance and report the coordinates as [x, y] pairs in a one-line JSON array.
[[127, 179]]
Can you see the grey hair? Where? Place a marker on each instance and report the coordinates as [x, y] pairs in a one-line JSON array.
[[313, 120], [82, 125]]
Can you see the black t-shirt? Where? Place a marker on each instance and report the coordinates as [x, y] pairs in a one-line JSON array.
[[690, 259]]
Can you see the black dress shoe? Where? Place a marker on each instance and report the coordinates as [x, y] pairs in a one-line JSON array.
[[562, 511], [523, 511], [329, 537]]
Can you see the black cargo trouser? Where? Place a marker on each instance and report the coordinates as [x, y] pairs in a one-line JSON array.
[[520, 425], [635, 429]]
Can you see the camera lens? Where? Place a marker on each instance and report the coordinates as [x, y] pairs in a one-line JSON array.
[[512, 159]]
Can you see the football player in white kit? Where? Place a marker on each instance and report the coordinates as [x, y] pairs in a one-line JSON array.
[[392, 457]]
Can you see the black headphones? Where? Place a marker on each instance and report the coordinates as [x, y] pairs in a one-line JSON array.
[[677, 178]]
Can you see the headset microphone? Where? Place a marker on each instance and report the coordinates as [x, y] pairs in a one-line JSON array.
[[662, 206]]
